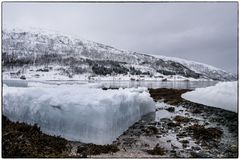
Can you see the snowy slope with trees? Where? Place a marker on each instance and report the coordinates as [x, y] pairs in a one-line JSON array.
[[38, 51], [204, 69]]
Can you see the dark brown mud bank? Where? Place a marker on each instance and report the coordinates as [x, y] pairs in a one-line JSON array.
[[191, 130]]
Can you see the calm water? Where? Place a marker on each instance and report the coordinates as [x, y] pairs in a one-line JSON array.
[[118, 84], [158, 84]]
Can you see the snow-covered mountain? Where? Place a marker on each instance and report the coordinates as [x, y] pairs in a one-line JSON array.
[[73, 56], [204, 69]]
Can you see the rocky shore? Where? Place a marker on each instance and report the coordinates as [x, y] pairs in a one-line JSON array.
[[178, 128], [20, 140]]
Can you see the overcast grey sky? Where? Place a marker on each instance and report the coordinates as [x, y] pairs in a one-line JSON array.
[[203, 32]]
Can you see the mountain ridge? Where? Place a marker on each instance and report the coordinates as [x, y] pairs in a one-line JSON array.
[[40, 48]]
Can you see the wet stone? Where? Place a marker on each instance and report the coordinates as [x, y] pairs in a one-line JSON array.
[[196, 148], [182, 135], [172, 124], [158, 136], [184, 141], [184, 145], [170, 109], [200, 155], [173, 151], [165, 120]]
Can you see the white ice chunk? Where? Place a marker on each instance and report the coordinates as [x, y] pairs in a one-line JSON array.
[[222, 95], [77, 112]]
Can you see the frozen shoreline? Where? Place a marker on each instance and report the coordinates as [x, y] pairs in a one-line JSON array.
[[171, 133]]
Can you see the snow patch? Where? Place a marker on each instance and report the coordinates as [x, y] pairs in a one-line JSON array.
[[222, 95]]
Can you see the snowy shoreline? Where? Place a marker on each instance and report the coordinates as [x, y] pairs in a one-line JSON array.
[[168, 129], [105, 115]]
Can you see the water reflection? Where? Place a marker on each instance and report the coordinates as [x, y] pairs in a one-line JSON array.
[[158, 84], [119, 84], [15, 83]]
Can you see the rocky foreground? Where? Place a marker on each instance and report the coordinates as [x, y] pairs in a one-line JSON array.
[[178, 128]]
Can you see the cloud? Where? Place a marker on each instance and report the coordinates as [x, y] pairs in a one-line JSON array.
[[205, 32]]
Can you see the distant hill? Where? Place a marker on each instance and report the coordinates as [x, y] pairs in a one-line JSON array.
[[78, 56]]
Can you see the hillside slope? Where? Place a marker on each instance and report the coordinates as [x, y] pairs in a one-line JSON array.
[[72, 56]]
